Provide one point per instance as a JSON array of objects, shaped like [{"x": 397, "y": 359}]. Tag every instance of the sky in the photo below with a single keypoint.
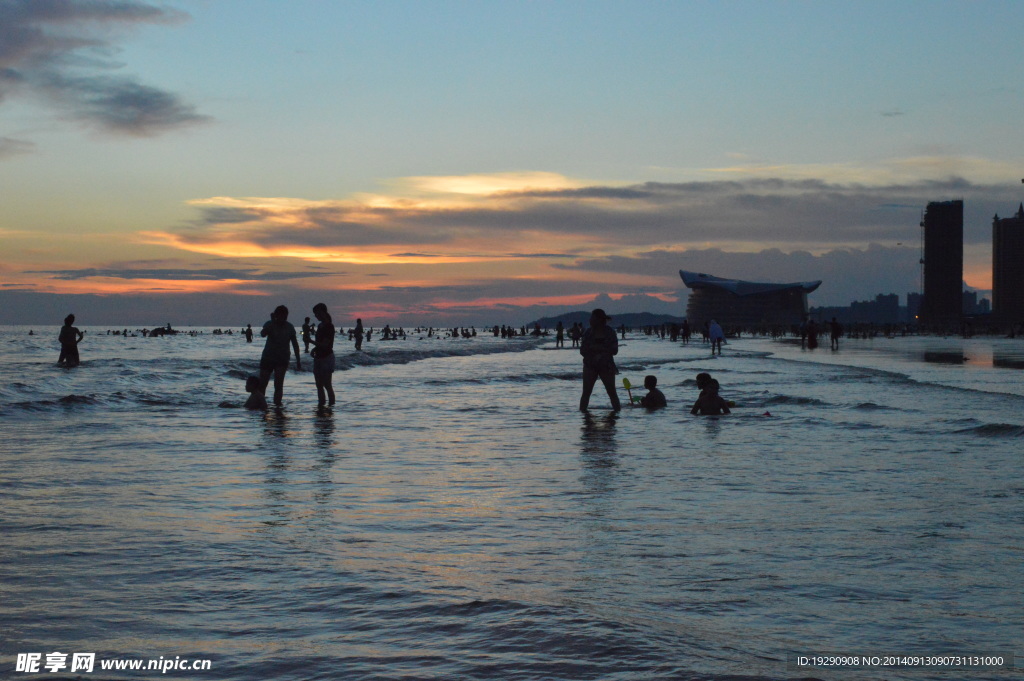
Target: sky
[{"x": 200, "y": 162}]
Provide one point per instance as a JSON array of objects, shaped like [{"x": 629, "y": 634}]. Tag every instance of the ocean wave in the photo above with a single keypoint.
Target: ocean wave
[
  {"x": 507, "y": 378},
  {"x": 793, "y": 399},
  {"x": 871, "y": 406},
  {"x": 402, "y": 353},
  {"x": 53, "y": 404},
  {"x": 78, "y": 399},
  {"x": 352, "y": 360},
  {"x": 994, "y": 430},
  {"x": 152, "y": 400}
]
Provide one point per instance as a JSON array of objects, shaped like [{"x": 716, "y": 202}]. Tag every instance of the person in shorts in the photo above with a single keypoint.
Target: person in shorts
[
  {"x": 323, "y": 355},
  {"x": 599, "y": 346},
  {"x": 274, "y": 361}
]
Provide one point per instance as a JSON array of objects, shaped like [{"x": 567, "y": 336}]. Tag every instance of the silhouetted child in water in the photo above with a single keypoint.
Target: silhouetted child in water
[
  {"x": 709, "y": 403},
  {"x": 257, "y": 400},
  {"x": 654, "y": 399}
]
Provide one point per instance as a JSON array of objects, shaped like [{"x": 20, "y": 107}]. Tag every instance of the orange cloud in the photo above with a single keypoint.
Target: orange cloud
[{"x": 104, "y": 286}]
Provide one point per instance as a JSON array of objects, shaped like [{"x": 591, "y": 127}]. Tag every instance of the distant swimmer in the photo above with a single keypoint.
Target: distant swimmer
[
  {"x": 654, "y": 399},
  {"x": 323, "y": 355},
  {"x": 69, "y": 339},
  {"x": 279, "y": 332},
  {"x": 257, "y": 400},
  {"x": 709, "y": 403},
  {"x": 599, "y": 347}
]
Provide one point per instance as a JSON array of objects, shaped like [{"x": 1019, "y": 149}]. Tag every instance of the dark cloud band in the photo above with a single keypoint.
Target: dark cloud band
[{"x": 50, "y": 48}]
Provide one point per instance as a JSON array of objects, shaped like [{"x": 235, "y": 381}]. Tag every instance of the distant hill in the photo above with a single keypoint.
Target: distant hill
[{"x": 631, "y": 319}]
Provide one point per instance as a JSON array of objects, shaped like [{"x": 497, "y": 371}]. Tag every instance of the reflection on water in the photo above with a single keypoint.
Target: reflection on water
[
  {"x": 597, "y": 438},
  {"x": 976, "y": 356},
  {"x": 275, "y": 423},
  {"x": 323, "y": 427},
  {"x": 712, "y": 427},
  {"x": 599, "y": 454},
  {"x": 495, "y": 532},
  {"x": 944, "y": 357},
  {"x": 1008, "y": 361}
]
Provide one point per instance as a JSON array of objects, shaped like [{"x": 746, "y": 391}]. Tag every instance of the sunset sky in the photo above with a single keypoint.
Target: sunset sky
[{"x": 488, "y": 162}]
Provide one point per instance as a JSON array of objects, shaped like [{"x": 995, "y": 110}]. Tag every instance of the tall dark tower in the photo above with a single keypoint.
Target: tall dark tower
[
  {"x": 943, "y": 225},
  {"x": 1008, "y": 267}
]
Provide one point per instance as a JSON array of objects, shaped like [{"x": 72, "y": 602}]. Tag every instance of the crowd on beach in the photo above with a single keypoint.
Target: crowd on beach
[{"x": 598, "y": 345}]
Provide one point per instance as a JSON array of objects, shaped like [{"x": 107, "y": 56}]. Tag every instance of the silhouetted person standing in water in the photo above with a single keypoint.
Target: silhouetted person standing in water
[
  {"x": 812, "y": 335},
  {"x": 599, "y": 347},
  {"x": 716, "y": 335},
  {"x": 248, "y": 333},
  {"x": 323, "y": 354},
  {"x": 307, "y": 334},
  {"x": 359, "y": 334},
  {"x": 279, "y": 333},
  {"x": 835, "y": 332},
  {"x": 69, "y": 339}
]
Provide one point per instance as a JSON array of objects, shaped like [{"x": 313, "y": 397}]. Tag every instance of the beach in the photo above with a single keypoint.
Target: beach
[{"x": 456, "y": 517}]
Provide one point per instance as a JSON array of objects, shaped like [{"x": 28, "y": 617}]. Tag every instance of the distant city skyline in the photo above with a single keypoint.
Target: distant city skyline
[{"x": 489, "y": 162}]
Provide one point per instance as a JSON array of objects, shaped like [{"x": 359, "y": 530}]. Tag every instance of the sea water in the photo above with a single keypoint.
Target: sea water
[{"x": 456, "y": 517}]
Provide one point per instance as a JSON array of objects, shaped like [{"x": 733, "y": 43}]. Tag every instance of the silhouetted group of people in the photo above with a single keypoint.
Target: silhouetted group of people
[
  {"x": 599, "y": 345},
  {"x": 281, "y": 339}
]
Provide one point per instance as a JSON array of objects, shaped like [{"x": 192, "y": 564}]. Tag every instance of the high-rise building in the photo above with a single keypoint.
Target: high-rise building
[
  {"x": 1008, "y": 267},
  {"x": 913, "y": 305},
  {"x": 970, "y": 305},
  {"x": 943, "y": 225}
]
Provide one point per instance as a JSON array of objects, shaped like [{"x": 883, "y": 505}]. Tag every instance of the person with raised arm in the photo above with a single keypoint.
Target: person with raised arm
[{"x": 69, "y": 339}]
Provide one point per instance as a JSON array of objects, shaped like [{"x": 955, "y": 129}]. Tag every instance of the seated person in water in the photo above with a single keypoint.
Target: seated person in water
[
  {"x": 257, "y": 400},
  {"x": 709, "y": 403},
  {"x": 654, "y": 399}
]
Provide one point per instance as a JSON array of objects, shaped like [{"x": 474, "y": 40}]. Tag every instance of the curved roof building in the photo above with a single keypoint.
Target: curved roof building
[{"x": 733, "y": 302}]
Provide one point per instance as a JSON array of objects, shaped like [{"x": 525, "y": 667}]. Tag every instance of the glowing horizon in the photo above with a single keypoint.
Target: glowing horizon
[{"x": 411, "y": 177}]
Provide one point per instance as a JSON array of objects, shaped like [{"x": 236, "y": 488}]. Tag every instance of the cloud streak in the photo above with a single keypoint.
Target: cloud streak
[
  {"x": 13, "y": 147},
  {"x": 172, "y": 274},
  {"x": 61, "y": 51},
  {"x": 577, "y": 221},
  {"x": 457, "y": 248}
]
